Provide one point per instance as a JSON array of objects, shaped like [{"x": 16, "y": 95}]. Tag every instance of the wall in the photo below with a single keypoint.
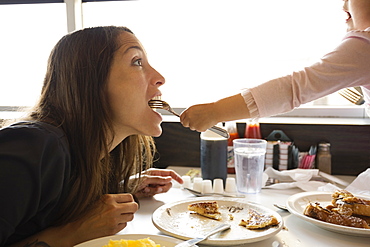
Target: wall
[{"x": 350, "y": 144}]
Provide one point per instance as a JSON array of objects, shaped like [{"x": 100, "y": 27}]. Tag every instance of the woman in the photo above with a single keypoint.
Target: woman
[
  {"x": 66, "y": 171},
  {"x": 346, "y": 66}
]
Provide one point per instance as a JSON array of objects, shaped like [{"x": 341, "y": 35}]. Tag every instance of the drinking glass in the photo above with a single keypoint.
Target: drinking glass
[{"x": 249, "y": 164}]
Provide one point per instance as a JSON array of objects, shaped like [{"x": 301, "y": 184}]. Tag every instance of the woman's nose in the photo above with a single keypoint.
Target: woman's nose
[
  {"x": 161, "y": 82},
  {"x": 159, "y": 79}
]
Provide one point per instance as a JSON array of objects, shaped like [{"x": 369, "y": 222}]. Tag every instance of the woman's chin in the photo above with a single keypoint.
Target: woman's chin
[
  {"x": 154, "y": 131},
  {"x": 157, "y": 133}
]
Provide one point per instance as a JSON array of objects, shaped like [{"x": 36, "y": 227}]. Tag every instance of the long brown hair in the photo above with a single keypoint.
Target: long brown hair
[{"x": 74, "y": 98}]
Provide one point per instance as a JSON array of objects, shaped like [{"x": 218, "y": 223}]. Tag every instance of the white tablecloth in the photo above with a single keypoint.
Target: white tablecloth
[{"x": 297, "y": 232}]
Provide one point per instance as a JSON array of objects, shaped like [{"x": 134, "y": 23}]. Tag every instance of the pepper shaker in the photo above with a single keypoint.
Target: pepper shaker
[{"x": 323, "y": 160}]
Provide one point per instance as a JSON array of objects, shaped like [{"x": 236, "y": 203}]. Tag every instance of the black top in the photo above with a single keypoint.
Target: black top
[{"x": 35, "y": 168}]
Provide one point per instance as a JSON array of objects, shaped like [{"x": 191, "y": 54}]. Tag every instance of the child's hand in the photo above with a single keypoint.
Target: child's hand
[{"x": 199, "y": 117}]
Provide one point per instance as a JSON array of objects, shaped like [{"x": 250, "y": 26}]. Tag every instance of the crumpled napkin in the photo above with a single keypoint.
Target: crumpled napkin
[
  {"x": 301, "y": 178},
  {"x": 361, "y": 184},
  {"x": 358, "y": 186}
]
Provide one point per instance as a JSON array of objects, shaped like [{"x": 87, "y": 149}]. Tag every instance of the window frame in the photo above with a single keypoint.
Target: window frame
[
  {"x": 51, "y": 1},
  {"x": 29, "y": 1}
]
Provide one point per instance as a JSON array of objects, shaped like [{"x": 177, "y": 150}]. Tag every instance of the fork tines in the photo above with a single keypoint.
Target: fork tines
[
  {"x": 352, "y": 96},
  {"x": 156, "y": 103}
]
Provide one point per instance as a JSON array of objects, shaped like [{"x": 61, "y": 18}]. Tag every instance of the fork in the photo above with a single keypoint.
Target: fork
[
  {"x": 160, "y": 104},
  {"x": 192, "y": 242},
  {"x": 353, "y": 95}
]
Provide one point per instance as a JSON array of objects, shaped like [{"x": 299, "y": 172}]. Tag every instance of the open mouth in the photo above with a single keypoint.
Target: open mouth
[
  {"x": 153, "y": 106},
  {"x": 156, "y": 98},
  {"x": 348, "y": 16}
]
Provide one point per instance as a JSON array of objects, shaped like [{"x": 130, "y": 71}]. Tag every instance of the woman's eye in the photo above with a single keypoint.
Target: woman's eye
[{"x": 137, "y": 62}]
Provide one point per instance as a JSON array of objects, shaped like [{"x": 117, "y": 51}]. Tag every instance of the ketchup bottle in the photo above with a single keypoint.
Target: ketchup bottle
[
  {"x": 252, "y": 129},
  {"x": 233, "y": 132}
]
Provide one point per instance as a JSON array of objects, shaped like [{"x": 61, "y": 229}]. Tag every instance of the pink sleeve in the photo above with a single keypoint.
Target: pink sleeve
[
  {"x": 346, "y": 66},
  {"x": 251, "y": 104}
]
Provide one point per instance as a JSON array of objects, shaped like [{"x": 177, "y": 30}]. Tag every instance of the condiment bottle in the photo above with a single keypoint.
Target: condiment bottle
[
  {"x": 233, "y": 132},
  {"x": 323, "y": 159},
  {"x": 252, "y": 129}
]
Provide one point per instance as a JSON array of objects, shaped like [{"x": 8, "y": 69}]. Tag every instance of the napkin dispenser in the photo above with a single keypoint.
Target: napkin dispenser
[{"x": 281, "y": 154}]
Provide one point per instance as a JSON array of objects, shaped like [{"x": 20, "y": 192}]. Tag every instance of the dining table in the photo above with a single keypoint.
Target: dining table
[{"x": 295, "y": 233}]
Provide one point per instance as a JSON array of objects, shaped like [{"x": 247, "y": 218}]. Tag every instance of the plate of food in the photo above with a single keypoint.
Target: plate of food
[
  {"x": 338, "y": 211},
  {"x": 250, "y": 222},
  {"x": 137, "y": 239}
]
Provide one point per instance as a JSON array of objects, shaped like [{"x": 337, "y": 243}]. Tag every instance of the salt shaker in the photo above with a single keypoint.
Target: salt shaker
[{"x": 323, "y": 160}]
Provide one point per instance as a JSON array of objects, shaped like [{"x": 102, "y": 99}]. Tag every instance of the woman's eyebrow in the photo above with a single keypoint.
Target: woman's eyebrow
[{"x": 133, "y": 47}]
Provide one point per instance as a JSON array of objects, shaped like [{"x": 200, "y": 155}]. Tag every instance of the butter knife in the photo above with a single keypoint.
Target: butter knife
[
  {"x": 192, "y": 242},
  {"x": 197, "y": 193}
]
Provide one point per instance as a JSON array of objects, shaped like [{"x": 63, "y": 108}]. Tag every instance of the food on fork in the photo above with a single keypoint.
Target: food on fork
[
  {"x": 345, "y": 210},
  {"x": 206, "y": 209},
  {"x": 145, "y": 242},
  {"x": 327, "y": 215},
  {"x": 347, "y": 204},
  {"x": 256, "y": 220}
]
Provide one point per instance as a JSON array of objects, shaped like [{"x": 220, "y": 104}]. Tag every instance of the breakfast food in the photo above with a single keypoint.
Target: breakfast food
[
  {"x": 206, "y": 209},
  {"x": 256, "y": 220},
  {"x": 324, "y": 214},
  {"x": 253, "y": 219},
  {"x": 345, "y": 210},
  {"x": 347, "y": 204},
  {"x": 145, "y": 242}
]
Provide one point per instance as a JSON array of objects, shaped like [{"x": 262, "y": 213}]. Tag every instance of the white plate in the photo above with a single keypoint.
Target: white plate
[
  {"x": 162, "y": 240},
  {"x": 297, "y": 203},
  {"x": 176, "y": 220}
]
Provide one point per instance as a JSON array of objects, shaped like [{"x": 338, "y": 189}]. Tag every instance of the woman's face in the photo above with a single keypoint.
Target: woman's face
[
  {"x": 358, "y": 14},
  {"x": 132, "y": 82}
]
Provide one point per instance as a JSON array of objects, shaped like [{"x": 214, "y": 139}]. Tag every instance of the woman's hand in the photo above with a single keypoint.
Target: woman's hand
[
  {"x": 107, "y": 216},
  {"x": 156, "y": 181},
  {"x": 110, "y": 214}
]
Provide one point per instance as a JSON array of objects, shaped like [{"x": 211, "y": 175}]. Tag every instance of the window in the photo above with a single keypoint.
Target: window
[
  {"x": 206, "y": 49},
  {"x": 29, "y": 32}
]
